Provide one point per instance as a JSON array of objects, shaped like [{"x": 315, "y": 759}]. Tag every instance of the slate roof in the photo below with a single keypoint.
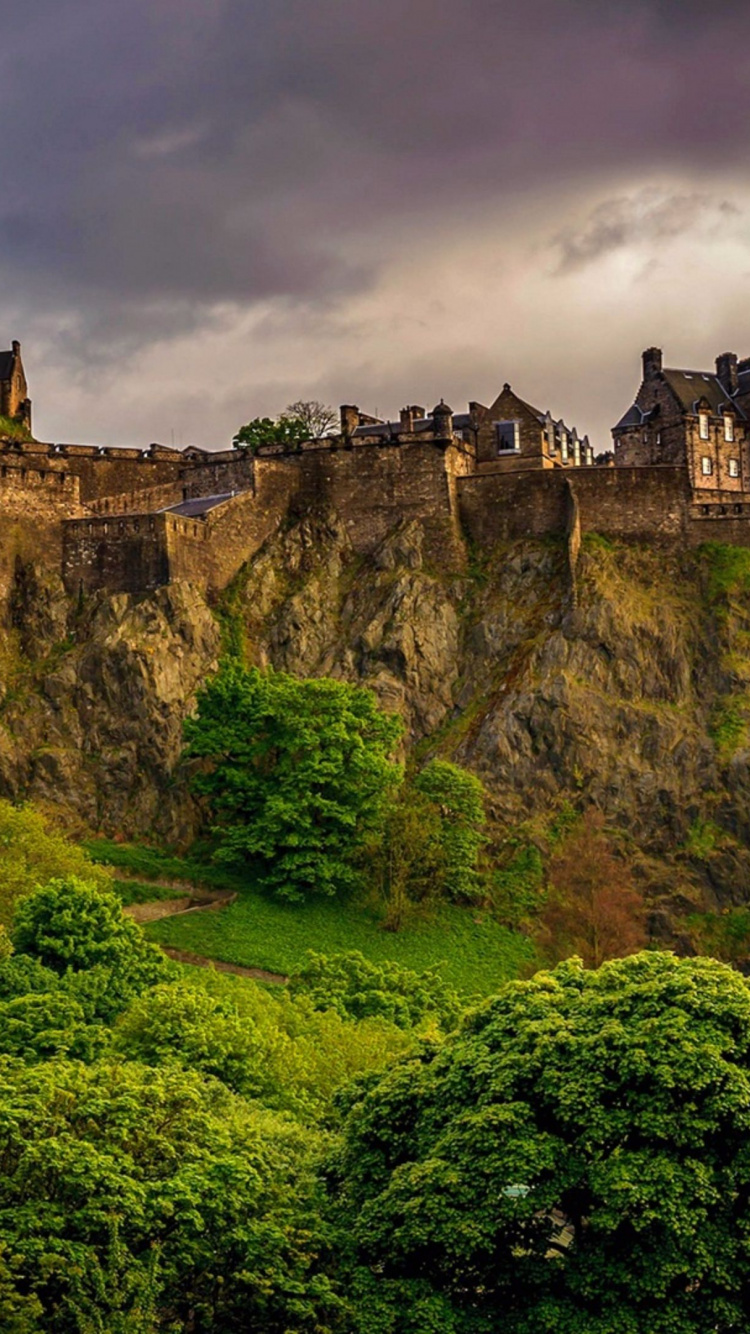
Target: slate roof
[
  {"x": 689, "y": 386},
  {"x": 390, "y": 429},
  {"x": 195, "y": 509},
  {"x": 6, "y": 365}
]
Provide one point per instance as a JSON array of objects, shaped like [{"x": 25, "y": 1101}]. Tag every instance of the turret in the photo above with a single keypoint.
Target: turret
[{"x": 442, "y": 421}]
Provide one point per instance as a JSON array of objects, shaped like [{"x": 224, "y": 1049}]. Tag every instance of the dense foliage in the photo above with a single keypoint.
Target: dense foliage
[
  {"x": 306, "y": 419},
  {"x": 297, "y": 774},
  {"x": 32, "y": 853},
  {"x": 574, "y": 1159},
  {"x": 357, "y": 989}
]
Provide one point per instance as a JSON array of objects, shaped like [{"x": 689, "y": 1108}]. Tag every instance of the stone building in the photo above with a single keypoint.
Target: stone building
[
  {"x": 511, "y": 435},
  {"x": 699, "y": 420},
  {"x": 14, "y": 394}
]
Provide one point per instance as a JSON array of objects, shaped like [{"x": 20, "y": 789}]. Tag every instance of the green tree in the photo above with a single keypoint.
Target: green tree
[
  {"x": 32, "y": 853},
  {"x": 270, "y": 431},
  {"x": 459, "y": 797},
  {"x": 81, "y": 934},
  {"x": 405, "y": 857},
  {"x": 178, "y": 1022},
  {"x": 134, "y": 1198},
  {"x": 307, "y": 419},
  {"x": 573, "y": 1159},
  {"x": 357, "y": 989},
  {"x": 296, "y": 774}
]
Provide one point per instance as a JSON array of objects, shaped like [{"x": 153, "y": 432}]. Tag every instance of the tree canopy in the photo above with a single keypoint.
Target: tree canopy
[
  {"x": 306, "y": 419},
  {"x": 296, "y": 775},
  {"x": 573, "y": 1159}
]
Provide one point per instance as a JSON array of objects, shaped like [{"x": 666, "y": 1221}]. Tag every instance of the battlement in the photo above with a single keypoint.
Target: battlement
[{"x": 129, "y": 520}]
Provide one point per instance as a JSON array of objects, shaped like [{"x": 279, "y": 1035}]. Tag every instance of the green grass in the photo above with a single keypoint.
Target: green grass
[
  {"x": 10, "y": 429},
  {"x": 474, "y": 953},
  {"x": 150, "y": 864},
  {"x": 728, "y": 569},
  {"x": 135, "y": 891}
]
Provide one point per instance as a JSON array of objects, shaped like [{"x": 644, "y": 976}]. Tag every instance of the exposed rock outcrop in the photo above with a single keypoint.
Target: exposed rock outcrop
[{"x": 630, "y": 690}]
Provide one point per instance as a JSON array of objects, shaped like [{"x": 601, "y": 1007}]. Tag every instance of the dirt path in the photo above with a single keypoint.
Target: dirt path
[
  {"x": 200, "y": 961},
  {"x": 194, "y": 900}
]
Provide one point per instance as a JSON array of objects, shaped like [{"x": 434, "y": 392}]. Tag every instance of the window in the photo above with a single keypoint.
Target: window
[
  {"x": 728, "y": 427},
  {"x": 707, "y": 467},
  {"x": 508, "y": 437},
  {"x": 564, "y": 446},
  {"x": 703, "y": 425},
  {"x": 734, "y": 467},
  {"x": 577, "y": 453}
]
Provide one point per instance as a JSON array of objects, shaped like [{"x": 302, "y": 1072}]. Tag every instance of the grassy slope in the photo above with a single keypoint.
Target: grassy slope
[{"x": 474, "y": 953}]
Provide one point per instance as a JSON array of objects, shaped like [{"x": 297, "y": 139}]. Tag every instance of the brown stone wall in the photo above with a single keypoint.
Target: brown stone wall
[
  {"x": 720, "y": 451},
  {"x": 659, "y": 441},
  {"x": 509, "y": 407},
  {"x": 373, "y": 488},
  {"x": 228, "y": 471},
  {"x": 148, "y": 500},
  {"x": 102, "y": 475},
  {"x": 643, "y": 503},
  {"x": 34, "y": 502},
  {"x": 123, "y": 555}
]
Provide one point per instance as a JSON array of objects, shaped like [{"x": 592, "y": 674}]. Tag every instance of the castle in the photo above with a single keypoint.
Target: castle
[{"x": 130, "y": 520}]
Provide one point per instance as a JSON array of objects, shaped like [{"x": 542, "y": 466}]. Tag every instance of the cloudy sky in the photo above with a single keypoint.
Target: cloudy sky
[{"x": 212, "y": 207}]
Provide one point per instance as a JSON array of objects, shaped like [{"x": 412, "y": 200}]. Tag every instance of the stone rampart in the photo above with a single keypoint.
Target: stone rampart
[{"x": 648, "y": 504}]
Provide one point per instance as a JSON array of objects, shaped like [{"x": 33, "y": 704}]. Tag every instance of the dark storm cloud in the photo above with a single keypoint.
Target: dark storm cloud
[{"x": 170, "y": 164}]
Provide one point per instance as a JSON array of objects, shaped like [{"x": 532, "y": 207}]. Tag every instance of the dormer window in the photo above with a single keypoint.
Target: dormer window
[
  {"x": 564, "y": 446},
  {"x": 707, "y": 467},
  {"x": 703, "y": 425},
  {"x": 508, "y": 437},
  {"x": 728, "y": 426}
]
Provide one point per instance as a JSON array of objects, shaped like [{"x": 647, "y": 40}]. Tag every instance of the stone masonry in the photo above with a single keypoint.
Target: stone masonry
[{"x": 130, "y": 520}]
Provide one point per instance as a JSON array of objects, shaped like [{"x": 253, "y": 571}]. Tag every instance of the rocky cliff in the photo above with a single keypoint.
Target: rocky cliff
[{"x": 631, "y": 691}]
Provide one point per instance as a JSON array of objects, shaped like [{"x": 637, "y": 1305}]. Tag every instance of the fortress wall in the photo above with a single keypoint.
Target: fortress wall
[
  {"x": 638, "y": 503},
  {"x": 227, "y": 472},
  {"x": 34, "y": 502},
  {"x": 374, "y": 488},
  {"x": 103, "y": 476},
  {"x": 210, "y": 551},
  {"x": 123, "y": 555},
  {"x": 149, "y": 499}
]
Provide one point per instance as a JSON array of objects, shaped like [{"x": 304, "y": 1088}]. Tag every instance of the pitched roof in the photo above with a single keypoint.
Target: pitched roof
[
  {"x": 195, "y": 509},
  {"x": 6, "y": 365},
  {"x": 689, "y": 386}
]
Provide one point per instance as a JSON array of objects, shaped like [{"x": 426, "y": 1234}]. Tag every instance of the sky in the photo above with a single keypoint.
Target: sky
[{"x": 210, "y": 208}]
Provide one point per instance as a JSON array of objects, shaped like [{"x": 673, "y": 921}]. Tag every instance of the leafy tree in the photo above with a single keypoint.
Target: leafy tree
[
  {"x": 81, "y": 934},
  {"x": 134, "y": 1198},
  {"x": 593, "y": 908},
  {"x": 270, "y": 431},
  {"x": 297, "y": 774},
  {"x": 459, "y": 797},
  {"x": 307, "y": 419},
  {"x": 46, "y": 1024},
  {"x": 178, "y": 1022},
  {"x": 405, "y": 857},
  {"x": 573, "y": 1159},
  {"x": 357, "y": 989},
  {"x": 32, "y": 853}
]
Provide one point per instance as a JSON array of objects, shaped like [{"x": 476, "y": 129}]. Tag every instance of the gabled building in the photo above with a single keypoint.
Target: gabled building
[
  {"x": 696, "y": 419},
  {"x": 511, "y": 435},
  {"x": 516, "y": 436},
  {"x": 14, "y": 394}
]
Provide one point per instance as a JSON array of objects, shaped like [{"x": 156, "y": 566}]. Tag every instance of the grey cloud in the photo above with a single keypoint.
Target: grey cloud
[{"x": 645, "y": 217}]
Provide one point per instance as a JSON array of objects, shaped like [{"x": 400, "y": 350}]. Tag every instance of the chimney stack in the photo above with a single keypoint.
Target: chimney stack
[
  {"x": 407, "y": 420},
  {"x": 349, "y": 419},
  {"x": 726, "y": 372},
  {"x": 652, "y": 360},
  {"x": 16, "y": 347}
]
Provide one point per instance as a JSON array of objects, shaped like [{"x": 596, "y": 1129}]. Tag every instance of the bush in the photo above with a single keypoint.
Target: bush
[
  {"x": 81, "y": 934},
  {"x": 358, "y": 989},
  {"x": 32, "y": 853},
  {"x": 459, "y": 797}
]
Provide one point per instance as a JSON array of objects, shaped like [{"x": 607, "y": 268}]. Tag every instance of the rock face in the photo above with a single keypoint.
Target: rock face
[{"x": 634, "y": 695}]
